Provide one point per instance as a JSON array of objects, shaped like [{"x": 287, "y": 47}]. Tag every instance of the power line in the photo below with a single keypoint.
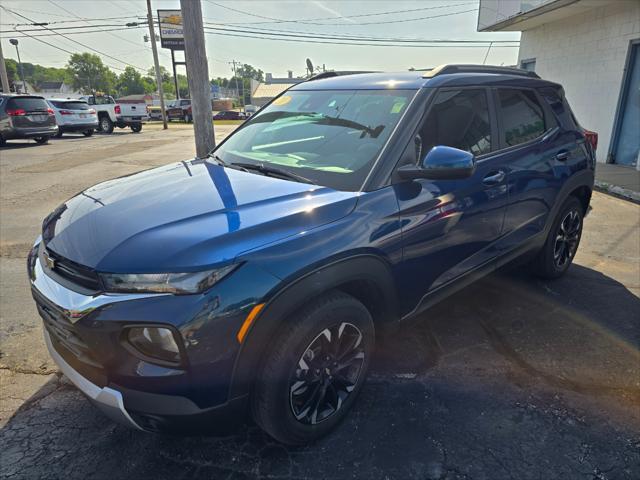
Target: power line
[
  {"x": 310, "y": 21},
  {"x": 337, "y": 36},
  {"x": 351, "y": 43},
  {"x": 351, "y": 38},
  {"x": 285, "y": 33},
  {"x": 75, "y": 41},
  {"x": 110, "y": 34}
]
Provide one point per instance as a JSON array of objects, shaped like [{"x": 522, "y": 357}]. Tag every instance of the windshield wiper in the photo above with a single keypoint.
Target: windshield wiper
[
  {"x": 321, "y": 119},
  {"x": 222, "y": 163},
  {"x": 272, "y": 171}
]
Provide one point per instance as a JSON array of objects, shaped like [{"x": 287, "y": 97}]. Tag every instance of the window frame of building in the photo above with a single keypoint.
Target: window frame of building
[{"x": 549, "y": 119}]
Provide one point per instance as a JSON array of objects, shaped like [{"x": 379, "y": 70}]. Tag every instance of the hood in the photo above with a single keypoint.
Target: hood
[{"x": 186, "y": 217}]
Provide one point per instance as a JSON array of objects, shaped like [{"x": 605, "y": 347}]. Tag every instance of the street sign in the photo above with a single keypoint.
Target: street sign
[{"x": 171, "y": 35}]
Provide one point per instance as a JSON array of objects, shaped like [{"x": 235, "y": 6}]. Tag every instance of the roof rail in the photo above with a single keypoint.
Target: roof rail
[
  {"x": 334, "y": 73},
  {"x": 451, "y": 68}
]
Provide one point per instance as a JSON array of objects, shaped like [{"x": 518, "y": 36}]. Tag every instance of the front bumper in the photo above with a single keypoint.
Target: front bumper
[
  {"x": 128, "y": 390},
  {"x": 108, "y": 400}
]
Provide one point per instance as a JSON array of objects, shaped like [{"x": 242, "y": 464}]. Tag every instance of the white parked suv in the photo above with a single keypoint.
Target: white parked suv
[
  {"x": 121, "y": 115},
  {"x": 73, "y": 116}
]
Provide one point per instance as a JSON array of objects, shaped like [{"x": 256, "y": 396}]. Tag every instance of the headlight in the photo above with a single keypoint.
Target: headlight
[
  {"x": 155, "y": 342},
  {"x": 179, "y": 283}
]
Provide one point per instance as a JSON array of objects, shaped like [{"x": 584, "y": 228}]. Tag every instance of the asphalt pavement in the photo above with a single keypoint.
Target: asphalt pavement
[{"x": 511, "y": 378}]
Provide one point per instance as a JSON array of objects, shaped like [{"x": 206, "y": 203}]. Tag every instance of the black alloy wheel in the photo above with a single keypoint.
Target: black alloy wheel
[
  {"x": 560, "y": 247},
  {"x": 567, "y": 238},
  {"x": 327, "y": 373},
  {"x": 312, "y": 371}
]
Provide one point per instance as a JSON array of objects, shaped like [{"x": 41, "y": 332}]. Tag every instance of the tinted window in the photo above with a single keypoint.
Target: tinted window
[
  {"x": 104, "y": 100},
  {"x": 28, "y": 104},
  {"x": 331, "y": 137},
  {"x": 522, "y": 116},
  {"x": 459, "y": 119},
  {"x": 71, "y": 105}
]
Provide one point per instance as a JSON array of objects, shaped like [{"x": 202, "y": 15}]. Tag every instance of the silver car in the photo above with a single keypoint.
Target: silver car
[{"x": 74, "y": 116}]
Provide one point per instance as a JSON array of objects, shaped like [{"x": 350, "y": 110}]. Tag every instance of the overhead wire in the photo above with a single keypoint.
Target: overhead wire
[
  {"x": 310, "y": 21},
  {"x": 77, "y": 42}
]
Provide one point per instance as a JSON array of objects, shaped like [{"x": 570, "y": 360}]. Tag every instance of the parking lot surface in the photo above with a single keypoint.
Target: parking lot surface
[{"x": 511, "y": 378}]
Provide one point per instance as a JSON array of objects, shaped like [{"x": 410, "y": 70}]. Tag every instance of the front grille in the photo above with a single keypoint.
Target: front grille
[
  {"x": 62, "y": 331},
  {"x": 74, "y": 272}
]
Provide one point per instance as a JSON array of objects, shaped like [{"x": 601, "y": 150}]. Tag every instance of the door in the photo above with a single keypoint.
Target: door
[
  {"x": 626, "y": 145},
  {"x": 539, "y": 155},
  {"x": 450, "y": 227}
]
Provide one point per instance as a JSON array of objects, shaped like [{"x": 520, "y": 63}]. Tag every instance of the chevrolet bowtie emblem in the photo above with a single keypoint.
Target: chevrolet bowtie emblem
[{"x": 51, "y": 262}]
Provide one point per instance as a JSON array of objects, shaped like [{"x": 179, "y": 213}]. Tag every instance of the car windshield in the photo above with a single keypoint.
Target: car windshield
[{"x": 331, "y": 137}]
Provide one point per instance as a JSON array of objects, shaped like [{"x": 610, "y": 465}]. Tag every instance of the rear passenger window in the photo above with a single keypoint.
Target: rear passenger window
[
  {"x": 522, "y": 116},
  {"x": 459, "y": 119}
]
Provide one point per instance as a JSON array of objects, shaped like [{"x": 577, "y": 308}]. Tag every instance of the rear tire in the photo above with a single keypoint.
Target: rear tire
[
  {"x": 557, "y": 254},
  {"x": 59, "y": 133},
  {"x": 88, "y": 133},
  {"x": 3, "y": 142},
  {"x": 136, "y": 128},
  {"x": 314, "y": 370},
  {"x": 187, "y": 118},
  {"x": 106, "y": 125},
  {"x": 41, "y": 140}
]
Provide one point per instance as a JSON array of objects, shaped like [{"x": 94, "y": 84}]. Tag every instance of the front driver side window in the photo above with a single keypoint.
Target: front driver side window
[{"x": 459, "y": 119}]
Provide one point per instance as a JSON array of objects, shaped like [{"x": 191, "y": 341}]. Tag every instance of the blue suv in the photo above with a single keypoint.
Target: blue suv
[{"x": 252, "y": 282}]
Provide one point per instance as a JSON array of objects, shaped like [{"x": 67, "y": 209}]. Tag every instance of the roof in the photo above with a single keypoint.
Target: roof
[
  {"x": 269, "y": 91},
  {"x": 414, "y": 80}
]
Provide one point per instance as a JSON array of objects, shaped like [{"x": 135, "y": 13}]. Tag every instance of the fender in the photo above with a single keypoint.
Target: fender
[
  {"x": 583, "y": 178},
  {"x": 368, "y": 268}
]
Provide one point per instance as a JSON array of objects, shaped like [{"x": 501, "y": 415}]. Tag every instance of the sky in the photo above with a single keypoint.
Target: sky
[{"x": 450, "y": 20}]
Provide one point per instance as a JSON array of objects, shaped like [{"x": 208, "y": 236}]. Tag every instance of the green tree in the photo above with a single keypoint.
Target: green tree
[
  {"x": 89, "y": 74},
  {"x": 131, "y": 82},
  {"x": 247, "y": 71},
  {"x": 164, "y": 73}
]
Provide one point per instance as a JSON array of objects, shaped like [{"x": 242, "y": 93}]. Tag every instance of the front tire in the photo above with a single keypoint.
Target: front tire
[
  {"x": 314, "y": 370},
  {"x": 41, "y": 140},
  {"x": 561, "y": 245},
  {"x": 88, "y": 133},
  {"x": 187, "y": 118},
  {"x": 136, "y": 128}
]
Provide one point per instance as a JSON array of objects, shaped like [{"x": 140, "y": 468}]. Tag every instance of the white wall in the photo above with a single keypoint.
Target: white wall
[{"x": 586, "y": 53}]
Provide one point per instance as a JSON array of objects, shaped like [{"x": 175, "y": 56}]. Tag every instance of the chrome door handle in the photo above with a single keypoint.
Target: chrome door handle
[
  {"x": 562, "y": 155},
  {"x": 494, "y": 178}
]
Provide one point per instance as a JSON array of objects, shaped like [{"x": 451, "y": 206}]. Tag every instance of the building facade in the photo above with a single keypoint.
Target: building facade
[{"x": 591, "y": 47}]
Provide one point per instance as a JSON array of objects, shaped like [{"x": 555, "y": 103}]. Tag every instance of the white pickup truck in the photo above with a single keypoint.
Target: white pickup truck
[{"x": 121, "y": 115}]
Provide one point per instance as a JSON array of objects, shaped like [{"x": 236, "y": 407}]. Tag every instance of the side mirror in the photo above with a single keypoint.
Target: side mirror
[{"x": 441, "y": 163}]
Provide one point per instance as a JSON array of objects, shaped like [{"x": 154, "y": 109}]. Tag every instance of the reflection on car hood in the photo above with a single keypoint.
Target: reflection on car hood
[{"x": 185, "y": 217}]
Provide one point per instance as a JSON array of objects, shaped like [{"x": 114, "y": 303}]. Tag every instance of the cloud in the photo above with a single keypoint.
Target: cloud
[{"x": 332, "y": 11}]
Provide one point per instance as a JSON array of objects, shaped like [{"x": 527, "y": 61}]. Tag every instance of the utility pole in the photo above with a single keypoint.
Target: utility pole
[
  {"x": 3, "y": 73},
  {"x": 240, "y": 92},
  {"x": 154, "y": 48},
  {"x": 198, "y": 76}
]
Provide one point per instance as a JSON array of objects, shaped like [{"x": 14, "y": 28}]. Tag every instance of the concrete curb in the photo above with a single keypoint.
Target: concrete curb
[{"x": 616, "y": 191}]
